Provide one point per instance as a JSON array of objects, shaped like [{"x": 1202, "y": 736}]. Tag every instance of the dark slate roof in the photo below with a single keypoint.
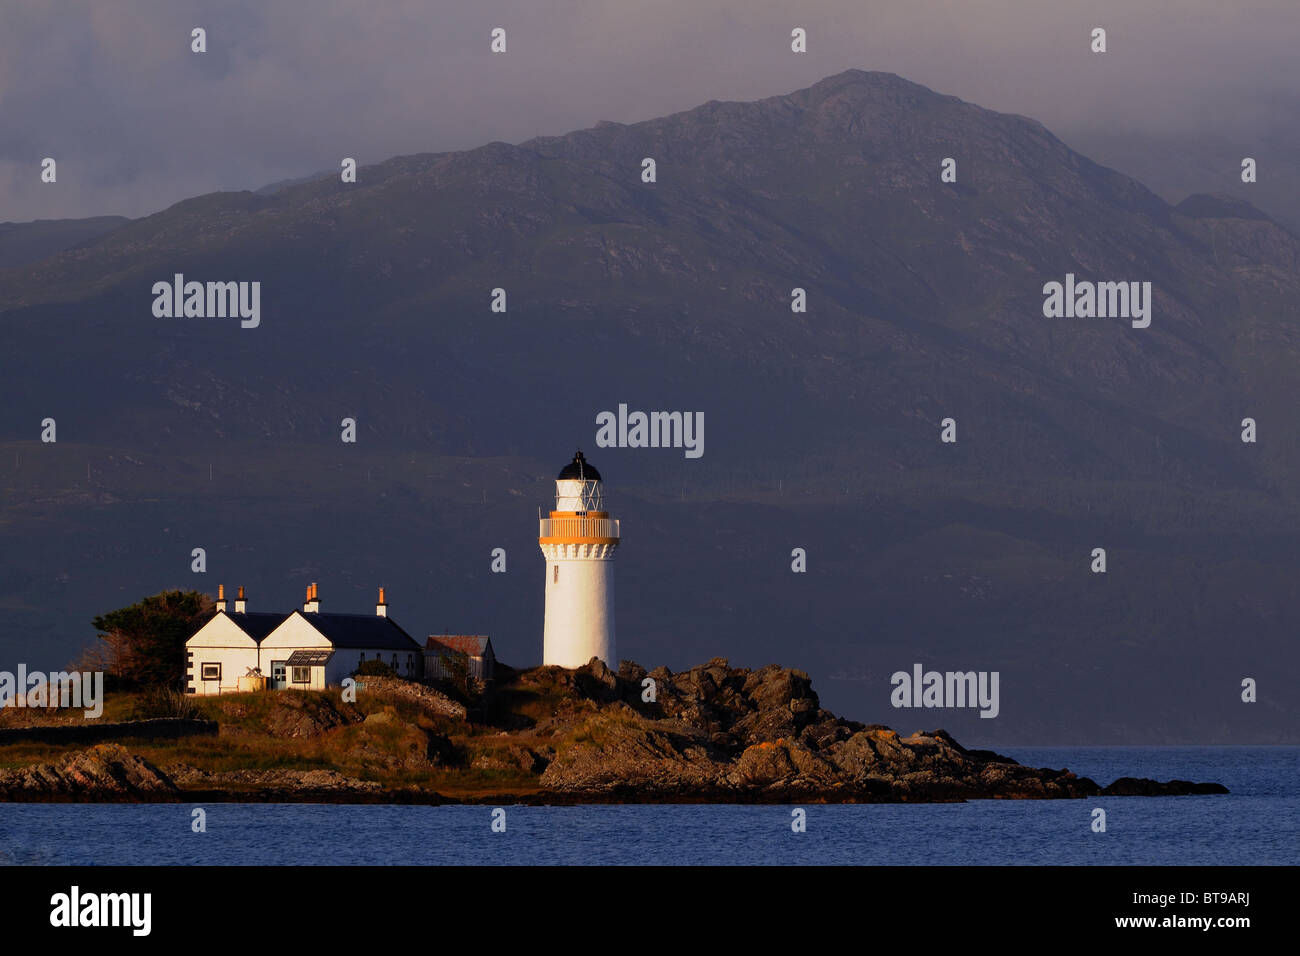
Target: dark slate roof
[
  {"x": 578, "y": 470},
  {"x": 474, "y": 645},
  {"x": 257, "y": 625},
  {"x": 307, "y": 658},
  {"x": 362, "y": 631}
]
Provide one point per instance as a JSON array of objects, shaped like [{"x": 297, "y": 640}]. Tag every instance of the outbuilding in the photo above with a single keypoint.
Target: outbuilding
[{"x": 474, "y": 649}]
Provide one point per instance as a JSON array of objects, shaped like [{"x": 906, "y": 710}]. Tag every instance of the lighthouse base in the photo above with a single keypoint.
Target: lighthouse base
[{"x": 579, "y": 612}]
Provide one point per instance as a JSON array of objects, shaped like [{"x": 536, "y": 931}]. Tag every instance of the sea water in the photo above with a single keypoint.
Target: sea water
[{"x": 1257, "y": 823}]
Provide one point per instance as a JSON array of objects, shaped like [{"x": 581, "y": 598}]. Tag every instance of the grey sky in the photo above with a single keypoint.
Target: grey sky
[{"x": 137, "y": 121}]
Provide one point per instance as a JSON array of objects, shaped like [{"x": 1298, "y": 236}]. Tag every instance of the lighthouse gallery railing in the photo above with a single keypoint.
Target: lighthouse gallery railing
[{"x": 579, "y": 527}]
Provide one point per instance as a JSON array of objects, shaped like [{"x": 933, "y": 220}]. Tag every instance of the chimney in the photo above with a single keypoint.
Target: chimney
[
  {"x": 221, "y": 597},
  {"x": 240, "y": 606},
  {"x": 381, "y": 608},
  {"x": 312, "y": 605}
]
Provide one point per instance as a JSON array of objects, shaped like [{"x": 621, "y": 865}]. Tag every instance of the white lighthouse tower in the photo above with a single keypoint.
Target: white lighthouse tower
[{"x": 579, "y": 540}]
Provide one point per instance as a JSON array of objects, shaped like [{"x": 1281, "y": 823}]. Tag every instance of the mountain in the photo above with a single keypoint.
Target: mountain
[
  {"x": 272, "y": 188},
  {"x": 925, "y": 301},
  {"x": 24, "y": 242},
  {"x": 1175, "y": 164},
  {"x": 1218, "y": 206}
]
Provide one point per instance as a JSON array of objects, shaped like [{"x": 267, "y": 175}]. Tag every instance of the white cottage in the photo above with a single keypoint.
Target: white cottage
[
  {"x": 304, "y": 650},
  {"x": 226, "y": 648},
  {"x": 310, "y": 650}
]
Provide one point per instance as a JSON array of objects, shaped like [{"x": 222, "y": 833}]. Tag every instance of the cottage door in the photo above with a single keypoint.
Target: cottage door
[{"x": 278, "y": 681}]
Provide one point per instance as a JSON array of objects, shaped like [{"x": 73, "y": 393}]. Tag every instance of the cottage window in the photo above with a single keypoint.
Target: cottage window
[
  {"x": 212, "y": 672},
  {"x": 555, "y": 574},
  {"x": 301, "y": 675}
]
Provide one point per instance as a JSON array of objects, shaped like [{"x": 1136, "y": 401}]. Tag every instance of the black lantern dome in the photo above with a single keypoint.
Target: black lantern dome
[{"x": 578, "y": 470}]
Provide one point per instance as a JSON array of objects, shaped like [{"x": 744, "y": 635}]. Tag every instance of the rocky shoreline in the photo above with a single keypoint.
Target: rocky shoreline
[
  {"x": 723, "y": 734},
  {"x": 711, "y": 734}
]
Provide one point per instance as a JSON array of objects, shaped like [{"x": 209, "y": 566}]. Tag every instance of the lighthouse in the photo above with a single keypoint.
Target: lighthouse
[{"x": 578, "y": 541}]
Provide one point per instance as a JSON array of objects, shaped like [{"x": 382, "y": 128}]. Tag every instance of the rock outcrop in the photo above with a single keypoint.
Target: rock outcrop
[
  {"x": 288, "y": 782},
  {"x": 103, "y": 773},
  {"x": 717, "y": 732},
  {"x": 429, "y": 699}
]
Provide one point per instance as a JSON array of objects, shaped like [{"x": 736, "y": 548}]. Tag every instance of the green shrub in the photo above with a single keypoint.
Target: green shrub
[{"x": 375, "y": 668}]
